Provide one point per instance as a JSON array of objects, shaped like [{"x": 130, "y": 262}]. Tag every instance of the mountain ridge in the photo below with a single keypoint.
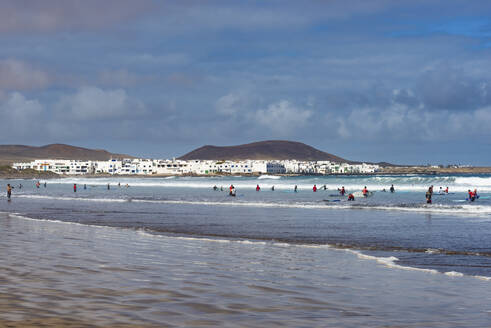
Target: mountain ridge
[
  {"x": 22, "y": 153},
  {"x": 262, "y": 150}
]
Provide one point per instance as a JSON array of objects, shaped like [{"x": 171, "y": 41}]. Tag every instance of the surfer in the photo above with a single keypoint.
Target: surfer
[
  {"x": 119, "y": 184},
  {"x": 108, "y": 186},
  {"x": 392, "y": 189},
  {"x": 314, "y": 189},
  {"x": 215, "y": 188},
  {"x": 351, "y": 197},
  {"x": 365, "y": 192},
  {"x": 38, "y": 184},
  {"x": 342, "y": 191},
  {"x": 9, "y": 191},
  {"x": 441, "y": 192},
  {"x": 44, "y": 184},
  {"x": 20, "y": 185},
  {"x": 258, "y": 188},
  {"x": 232, "y": 191},
  {"x": 74, "y": 187},
  {"x": 472, "y": 196},
  {"x": 324, "y": 187},
  {"x": 295, "y": 189},
  {"x": 85, "y": 186},
  {"x": 428, "y": 195},
  {"x": 272, "y": 188},
  {"x": 446, "y": 190}
]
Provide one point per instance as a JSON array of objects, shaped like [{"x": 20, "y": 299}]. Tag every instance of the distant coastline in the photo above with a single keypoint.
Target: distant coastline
[{"x": 9, "y": 173}]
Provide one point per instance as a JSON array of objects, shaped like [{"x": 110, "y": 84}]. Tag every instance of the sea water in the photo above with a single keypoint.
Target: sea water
[{"x": 174, "y": 251}]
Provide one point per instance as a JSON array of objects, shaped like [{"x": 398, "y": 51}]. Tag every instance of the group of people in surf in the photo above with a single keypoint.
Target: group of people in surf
[
  {"x": 472, "y": 195},
  {"x": 429, "y": 193}
]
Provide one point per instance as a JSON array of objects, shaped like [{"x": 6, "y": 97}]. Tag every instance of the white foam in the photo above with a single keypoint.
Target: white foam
[
  {"x": 265, "y": 176},
  {"x": 110, "y": 200},
  {"x": 405, "y": 183},
  {"x": 389, "y": 262},
  {"x": 18, "y": 216}
]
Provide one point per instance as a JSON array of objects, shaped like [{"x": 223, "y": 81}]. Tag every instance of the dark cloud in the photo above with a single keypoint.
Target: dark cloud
[
  {"x": 453, "y": 89},
  {"x": 163, "y": 76},
  {"x": 31, "y": 16}
]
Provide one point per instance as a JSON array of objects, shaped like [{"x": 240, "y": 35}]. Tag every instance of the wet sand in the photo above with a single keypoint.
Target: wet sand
[{"x": 56, "y": 274}]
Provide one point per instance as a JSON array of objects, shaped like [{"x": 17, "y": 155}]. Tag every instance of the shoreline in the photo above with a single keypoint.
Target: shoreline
[{"x": 23, "y": 175}]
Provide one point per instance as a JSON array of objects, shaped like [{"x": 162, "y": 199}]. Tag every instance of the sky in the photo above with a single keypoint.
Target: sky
[{"x": 406, "y": 82}]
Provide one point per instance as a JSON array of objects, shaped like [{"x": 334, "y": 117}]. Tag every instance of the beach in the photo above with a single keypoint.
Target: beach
[{"x": 173, "y": 252}]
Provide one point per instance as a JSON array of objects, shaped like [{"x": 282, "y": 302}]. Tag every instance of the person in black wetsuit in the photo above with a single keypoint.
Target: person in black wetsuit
[
  {"x": 9, "y": 191},
  {"x": 429, "y": 193}
]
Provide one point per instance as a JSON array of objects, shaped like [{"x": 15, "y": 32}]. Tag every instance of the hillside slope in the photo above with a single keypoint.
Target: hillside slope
[
  {"x": 263, "y": 150},
  {"x": 13, "y": 153}
]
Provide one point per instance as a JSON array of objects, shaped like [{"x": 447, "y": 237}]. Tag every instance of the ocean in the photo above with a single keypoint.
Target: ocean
[{"x": 174, "y": 252}]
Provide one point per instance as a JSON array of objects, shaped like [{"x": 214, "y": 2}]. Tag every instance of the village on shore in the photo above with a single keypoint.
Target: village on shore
[{"x": 149, "y": 167}]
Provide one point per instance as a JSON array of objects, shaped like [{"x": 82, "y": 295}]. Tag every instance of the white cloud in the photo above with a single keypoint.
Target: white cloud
[
  {"x": 230, "y": 105},
  {"x": 282, "y": 117},
  {"x": 20, "y": 116},
  {"x": 403, "y": 123},
  {"x": 91, "y": 103},
  {"x": 17, "y": 75}
]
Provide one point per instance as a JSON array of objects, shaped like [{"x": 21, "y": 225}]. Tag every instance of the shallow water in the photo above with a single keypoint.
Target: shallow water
[
  {"x": 110, "y": 276},
  {"x": 174, "y": 251}
]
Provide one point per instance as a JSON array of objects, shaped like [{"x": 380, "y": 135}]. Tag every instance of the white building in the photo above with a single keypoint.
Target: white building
[{"x": 180, "y": 167}]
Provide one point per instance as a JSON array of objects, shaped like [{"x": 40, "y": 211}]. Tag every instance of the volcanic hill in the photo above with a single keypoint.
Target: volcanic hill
[
  {"x": 263, "y": 150},
  {"x": 21, "y": 153}
]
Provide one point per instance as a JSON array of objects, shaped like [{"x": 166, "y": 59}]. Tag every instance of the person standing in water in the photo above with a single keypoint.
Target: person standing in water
[
  {"x": 365, "y": 191},
  {"x": 108, "y": 186},
  {"x": 342, "y": 191},
  {"x": 258, "y": 188},
  {"x": 295, "y": 189},
  {"x": 314, "y": 189},
  {"x": 9, "y": 191},
  {"x": 74, "y": 187},
  {"x": 44, "y": 184},
  {"x": 471, "y": 195},
  {"x": 429, "y": 193},
  {"x": 272, "y": 188},
  {"x": 85, "y": 186},
  {"x": 392, "y": 189},
  {"x": 38, "y": 184}
]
